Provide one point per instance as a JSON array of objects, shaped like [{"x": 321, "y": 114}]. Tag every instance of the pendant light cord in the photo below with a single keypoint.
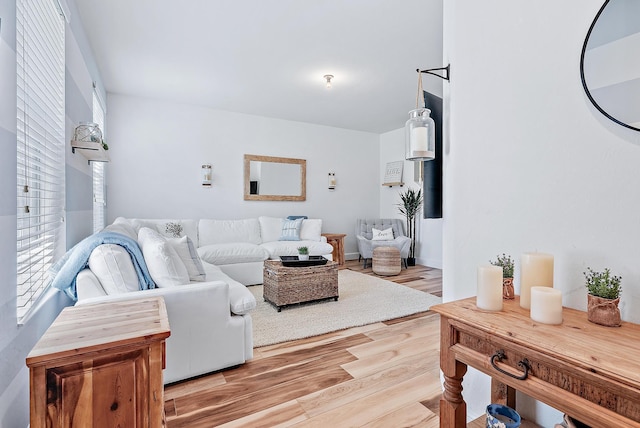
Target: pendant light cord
[{"x": 420, "y": 91}]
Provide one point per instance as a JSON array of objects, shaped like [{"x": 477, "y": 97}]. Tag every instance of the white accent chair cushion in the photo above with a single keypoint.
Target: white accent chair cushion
[
  {"x": 164, "y": 264},
  {"x": 113, "y": 267},
  {"x": 381, "y": 235}
]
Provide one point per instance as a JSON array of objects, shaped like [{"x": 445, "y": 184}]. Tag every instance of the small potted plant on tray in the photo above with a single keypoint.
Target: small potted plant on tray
[
  {"x": 506, "y": 262},
  {"x": 603, "y": 298},
  {"x": 303, "y": 253}
]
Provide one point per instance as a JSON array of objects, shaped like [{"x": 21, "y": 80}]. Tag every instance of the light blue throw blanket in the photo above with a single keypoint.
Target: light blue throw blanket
[{"x": 63, "y": 273}]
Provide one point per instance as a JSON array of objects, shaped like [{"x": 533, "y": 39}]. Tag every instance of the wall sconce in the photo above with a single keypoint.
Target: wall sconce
[
  {"x": 420, "y": 128},
  {"x": 206, "y": 175},
  {"x": 332, "y": 181}
]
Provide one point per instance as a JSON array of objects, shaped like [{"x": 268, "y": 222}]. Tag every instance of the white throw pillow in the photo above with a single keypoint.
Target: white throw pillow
[
  {"x": 113, "y": 267},
  {"x": 189, "y": 256},
  {"x": 270, "y": 228},
  {"x": 311, "y": 229},
  {"x": 382, "y": 235},
  {"x": 164, "y": 264}
]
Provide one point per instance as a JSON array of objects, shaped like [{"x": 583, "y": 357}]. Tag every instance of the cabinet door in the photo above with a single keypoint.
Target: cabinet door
[{"x": 109, "y": 391}]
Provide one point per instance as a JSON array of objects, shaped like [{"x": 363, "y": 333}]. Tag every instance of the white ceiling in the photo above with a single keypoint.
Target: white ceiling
[{"x": 267, "y": 57}]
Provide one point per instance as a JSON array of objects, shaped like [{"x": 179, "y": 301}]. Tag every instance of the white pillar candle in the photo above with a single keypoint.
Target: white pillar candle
[
  {"x": 536, "y": 270},
  {"x": 489, "y": 288},
  {"x": 546, "y": 305}
]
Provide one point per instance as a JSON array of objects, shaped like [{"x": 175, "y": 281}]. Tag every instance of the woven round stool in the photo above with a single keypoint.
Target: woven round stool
[{"x": 386, "y": 261}]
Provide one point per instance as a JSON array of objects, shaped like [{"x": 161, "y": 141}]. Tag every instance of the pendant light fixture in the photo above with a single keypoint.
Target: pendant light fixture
[{"x": 420, "y": 130}]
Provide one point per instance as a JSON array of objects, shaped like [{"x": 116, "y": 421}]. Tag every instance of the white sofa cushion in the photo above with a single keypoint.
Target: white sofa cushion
[
  {"x": 288, "y": 248},
  {"x": 239, "y": 252},
  {"x": 228, "y": 231},
  {"x": 270, "y": 228},
  {"x": 311, "y": 230},
  {"x": 240, "y": 299},
  {"x": 189, "y": 227},
  {"x": 189, "y": 256},
  {"x": 164, "y": 264},
  {"x": 113, "y": 267},
  {"x": 123, "y": 228}
]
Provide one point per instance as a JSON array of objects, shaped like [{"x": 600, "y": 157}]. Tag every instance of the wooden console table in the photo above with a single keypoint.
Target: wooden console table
[
  {"x": 590, "y": 372},
  {"x": 336, "y": 240},
  {"x": 101, "y": 365}
]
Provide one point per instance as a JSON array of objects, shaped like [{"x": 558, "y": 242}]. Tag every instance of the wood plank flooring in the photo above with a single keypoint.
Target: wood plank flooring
[{"x": 380, "y": 375}]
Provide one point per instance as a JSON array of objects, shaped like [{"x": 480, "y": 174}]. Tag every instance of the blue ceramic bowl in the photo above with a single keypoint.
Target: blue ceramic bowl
[{"x": 499, "y": 416}]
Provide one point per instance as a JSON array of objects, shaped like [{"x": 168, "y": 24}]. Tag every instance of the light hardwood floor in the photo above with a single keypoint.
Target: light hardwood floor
[{"x": 381, "y": 375}]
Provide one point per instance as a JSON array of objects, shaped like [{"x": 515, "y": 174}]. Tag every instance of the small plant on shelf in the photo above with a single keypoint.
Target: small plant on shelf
[
  {"x": 506, "y": 263},
  {"x": 603, "y": 298},
  {"x": 603, "y": 284}
]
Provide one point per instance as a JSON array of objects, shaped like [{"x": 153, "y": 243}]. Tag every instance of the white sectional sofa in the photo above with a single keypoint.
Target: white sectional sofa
[{"x": 207, "y": 301}]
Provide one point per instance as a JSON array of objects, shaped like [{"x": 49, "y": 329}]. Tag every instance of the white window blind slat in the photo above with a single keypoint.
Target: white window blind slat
[
  {"x": 40, "y": 150},
  {"x": 99, "y": 177}
]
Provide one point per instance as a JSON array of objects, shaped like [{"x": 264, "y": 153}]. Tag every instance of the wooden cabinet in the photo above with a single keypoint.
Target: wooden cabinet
[
  {"x": 588, "y": 371},
  {"x": 100, "y": 365},
  {"x": 337, "y": 242}
]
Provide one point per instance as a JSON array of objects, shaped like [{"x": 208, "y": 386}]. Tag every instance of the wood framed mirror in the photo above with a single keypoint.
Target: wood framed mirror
[{"x": 268, "y": 178}]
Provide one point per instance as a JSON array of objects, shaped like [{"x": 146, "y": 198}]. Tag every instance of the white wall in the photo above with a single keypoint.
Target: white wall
[
  {"x": 157, "y": 149},
  {"x": 530, "y": 164},
  {"x": 429, "y": 236},
  {"x": 16, "y": 341}
]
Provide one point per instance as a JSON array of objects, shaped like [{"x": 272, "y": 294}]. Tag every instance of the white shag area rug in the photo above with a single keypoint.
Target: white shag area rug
[{"x": 363, "y": 299}]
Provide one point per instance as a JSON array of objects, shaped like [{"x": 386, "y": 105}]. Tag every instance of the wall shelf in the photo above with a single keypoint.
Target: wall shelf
[
  {"x": 90, "y": 150},
  {"x": 393, "y": 184}
]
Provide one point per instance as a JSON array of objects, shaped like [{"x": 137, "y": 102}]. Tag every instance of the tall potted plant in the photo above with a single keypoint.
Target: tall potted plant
[{"x": 409, "y": 207}]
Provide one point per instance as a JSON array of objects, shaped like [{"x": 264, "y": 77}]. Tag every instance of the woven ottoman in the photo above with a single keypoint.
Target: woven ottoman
[
  {"x": 386, "y": 261},
  {"x": 283, "y": 285}
]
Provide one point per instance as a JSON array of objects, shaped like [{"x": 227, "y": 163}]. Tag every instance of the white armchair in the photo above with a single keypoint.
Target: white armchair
[{"x": 366, "y": 245}]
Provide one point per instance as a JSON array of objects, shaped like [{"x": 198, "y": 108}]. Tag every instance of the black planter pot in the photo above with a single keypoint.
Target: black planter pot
[{"x": 411, "y": 261}]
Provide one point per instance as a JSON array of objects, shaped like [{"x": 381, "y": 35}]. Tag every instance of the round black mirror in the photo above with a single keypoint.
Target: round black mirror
[{"x": 610, "y": 62}]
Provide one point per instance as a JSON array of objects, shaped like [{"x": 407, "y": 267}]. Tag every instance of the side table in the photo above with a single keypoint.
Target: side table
[
  {"x": 101, "y": 365},
  {"x": 336, "y": 240}
]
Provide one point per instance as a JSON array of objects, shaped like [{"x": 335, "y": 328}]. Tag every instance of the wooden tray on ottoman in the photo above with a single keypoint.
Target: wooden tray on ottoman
[{"x": 284, "y": 286}]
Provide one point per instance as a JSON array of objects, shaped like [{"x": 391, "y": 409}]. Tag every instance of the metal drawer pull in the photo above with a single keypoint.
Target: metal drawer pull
[{"x": 523, "y": 364}]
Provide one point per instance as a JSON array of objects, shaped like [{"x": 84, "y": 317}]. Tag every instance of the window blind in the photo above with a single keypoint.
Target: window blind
[
  {"x": 99, "y": 178},
  {"x": 40, "y": 139}
]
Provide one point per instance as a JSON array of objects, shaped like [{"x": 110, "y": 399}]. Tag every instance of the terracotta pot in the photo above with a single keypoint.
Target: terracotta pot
[
  {"x": 603, "y": 311},
  {"x": 507, "y": 289}
]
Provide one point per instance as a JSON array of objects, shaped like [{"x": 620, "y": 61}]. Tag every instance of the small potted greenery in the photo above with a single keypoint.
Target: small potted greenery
[
  {"x": 603, "y": 298},
  {"x": 410, "y": 206},
  {"x": 506, "y": 263},
  {"x": 303, "y": 253}
]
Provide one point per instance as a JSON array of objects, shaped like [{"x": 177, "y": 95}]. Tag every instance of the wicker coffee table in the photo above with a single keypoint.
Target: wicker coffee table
[{"x": 289, "y": 285}]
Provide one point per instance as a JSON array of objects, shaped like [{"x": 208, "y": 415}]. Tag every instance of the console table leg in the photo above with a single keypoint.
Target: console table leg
[
  {"x": 502, "y": 394},
  {"x": 453, "y": 409}
]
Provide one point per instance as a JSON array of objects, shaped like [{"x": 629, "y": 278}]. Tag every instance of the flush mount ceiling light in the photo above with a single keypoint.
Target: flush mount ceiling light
[{"x": 328, "y": 78}]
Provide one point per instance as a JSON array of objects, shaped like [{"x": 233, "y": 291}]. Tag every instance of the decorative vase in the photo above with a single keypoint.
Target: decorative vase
[
  {"x": 501, "y": 416},
  {"x": 303, "y": 256},
  {"x": 603, "y": 311},
  {"x": 507, "y": 289}
]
